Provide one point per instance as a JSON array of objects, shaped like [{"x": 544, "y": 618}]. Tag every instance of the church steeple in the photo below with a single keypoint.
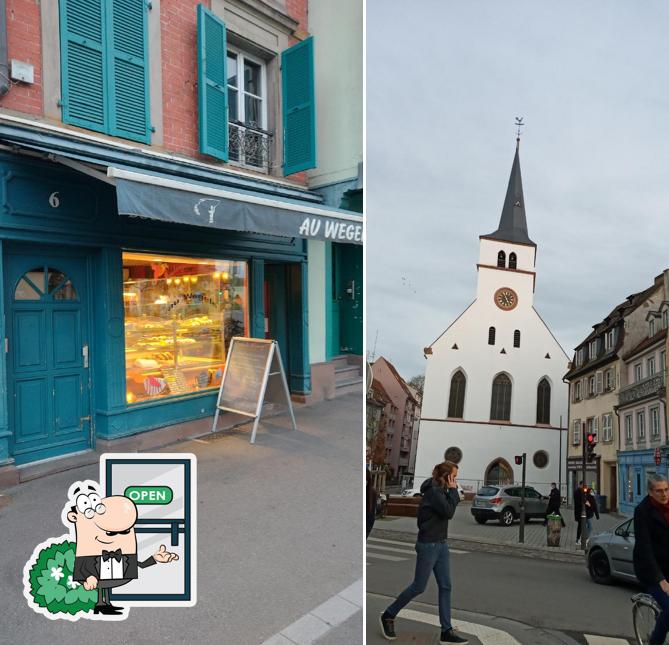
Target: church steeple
[{"x": 512, "y": 224}]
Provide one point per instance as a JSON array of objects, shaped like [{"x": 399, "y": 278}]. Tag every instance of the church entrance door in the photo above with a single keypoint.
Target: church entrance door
[{"x": 499, "y": 473}]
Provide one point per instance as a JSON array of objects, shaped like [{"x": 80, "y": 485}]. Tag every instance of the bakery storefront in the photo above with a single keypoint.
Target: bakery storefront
[{"x": 125, "y": 274}]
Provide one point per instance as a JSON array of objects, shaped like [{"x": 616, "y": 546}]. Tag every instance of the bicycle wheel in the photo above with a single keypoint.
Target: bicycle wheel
[{"x": 645, "y": 616}]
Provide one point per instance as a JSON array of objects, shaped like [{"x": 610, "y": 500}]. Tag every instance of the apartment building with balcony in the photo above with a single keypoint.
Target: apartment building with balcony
[
  {"x": 155, "y": 203},
  {"x": 594, "y": 379},
  {"x": 643, "y": 442},
  {"x": 399, "y": 432}
]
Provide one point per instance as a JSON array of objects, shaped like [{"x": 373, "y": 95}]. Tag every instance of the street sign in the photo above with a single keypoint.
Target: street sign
[
  {"x": 253, "y": 372},
  {"x": 658, "y": 457}
]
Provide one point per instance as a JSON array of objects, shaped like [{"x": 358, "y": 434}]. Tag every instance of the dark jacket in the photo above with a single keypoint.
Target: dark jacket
[
  {"x": 436, "y": 508},
  {"x": 553, "y": 501},
  {"x": 578, "y": 503},
  {"x": 591, "y": 507},
  {"x": 651, "y": 544},
  {"x": 89, "y": 565}
]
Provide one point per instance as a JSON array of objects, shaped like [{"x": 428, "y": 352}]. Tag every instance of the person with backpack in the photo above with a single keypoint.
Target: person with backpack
[{"x": 440, "y": 499}]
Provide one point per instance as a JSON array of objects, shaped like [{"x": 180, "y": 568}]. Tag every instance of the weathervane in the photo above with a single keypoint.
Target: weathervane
[{"x": 519, "y": 123}]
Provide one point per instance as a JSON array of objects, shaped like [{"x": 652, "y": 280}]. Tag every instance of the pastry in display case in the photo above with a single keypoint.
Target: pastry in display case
[{"x": 178, "y": 325}]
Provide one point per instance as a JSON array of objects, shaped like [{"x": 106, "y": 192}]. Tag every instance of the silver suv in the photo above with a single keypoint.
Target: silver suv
[{"x": 502, "y": 503}]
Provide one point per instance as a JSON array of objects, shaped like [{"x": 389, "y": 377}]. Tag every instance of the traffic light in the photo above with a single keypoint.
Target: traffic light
[
  {"x": 590, "y": 447},
  {"x": 519, "y": 460}
]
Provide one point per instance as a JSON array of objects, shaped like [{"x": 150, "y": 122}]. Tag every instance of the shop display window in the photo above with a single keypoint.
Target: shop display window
[{"x": 180, "y": 315}]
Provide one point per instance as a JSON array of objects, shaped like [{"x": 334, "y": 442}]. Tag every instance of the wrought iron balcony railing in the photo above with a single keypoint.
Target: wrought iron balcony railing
[
  {"x": 250, "y": 146},
  {"x": 649, "y": 387}
]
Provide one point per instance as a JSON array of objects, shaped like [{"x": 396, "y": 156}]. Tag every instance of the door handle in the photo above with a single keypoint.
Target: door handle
[
  {"x": 82, "y": 419},
  {"x": 84, "y": 353}
]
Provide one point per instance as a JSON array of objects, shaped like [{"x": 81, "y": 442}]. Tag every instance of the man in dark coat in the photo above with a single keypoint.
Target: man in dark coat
[
  {"x": 553, "y": 504},
  {"x": 651, "y": 549},
  {"x": 591, "y": 510}
]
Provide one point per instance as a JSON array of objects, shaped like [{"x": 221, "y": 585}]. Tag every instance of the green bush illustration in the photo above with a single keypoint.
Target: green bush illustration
[{"x": 51, "y": 583}]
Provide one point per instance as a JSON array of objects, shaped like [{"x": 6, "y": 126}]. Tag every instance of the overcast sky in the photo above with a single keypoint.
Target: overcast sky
[{"x": 445, "y": 80}]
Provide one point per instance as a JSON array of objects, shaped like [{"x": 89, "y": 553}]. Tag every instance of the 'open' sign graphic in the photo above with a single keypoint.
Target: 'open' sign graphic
[{"x": 149, "y": 494}]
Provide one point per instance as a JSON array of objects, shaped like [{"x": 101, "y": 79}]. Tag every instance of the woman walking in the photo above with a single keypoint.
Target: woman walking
[{"x": 440, "y": 499}]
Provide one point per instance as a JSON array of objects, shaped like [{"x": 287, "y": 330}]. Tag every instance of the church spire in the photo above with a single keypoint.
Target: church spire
[{"x": 512, "y": 224}]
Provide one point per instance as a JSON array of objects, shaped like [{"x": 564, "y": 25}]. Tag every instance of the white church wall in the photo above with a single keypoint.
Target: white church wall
[
  {"x": 481, "y": 444},
  {"x": 490, "y": 249},
  {"x": 489, "y": 280},
  {"x": 525, "y": 365}
]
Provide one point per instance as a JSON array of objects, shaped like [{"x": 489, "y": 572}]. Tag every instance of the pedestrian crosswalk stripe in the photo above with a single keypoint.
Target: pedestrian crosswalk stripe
[
  {"x": 379, "y": 556},
  {"x": 604, "y": 640},
  {"x": 487, "y": 635},
  {"x": 406, "y": 544},
  {"x": 389, "y": 548}
]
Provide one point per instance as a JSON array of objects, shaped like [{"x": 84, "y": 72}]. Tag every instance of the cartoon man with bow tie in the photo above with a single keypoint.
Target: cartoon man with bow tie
[{"x": 106, "y": 544}]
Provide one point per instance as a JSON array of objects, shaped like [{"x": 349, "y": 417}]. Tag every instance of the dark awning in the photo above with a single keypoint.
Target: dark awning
[{"x": 170, "y": 200}]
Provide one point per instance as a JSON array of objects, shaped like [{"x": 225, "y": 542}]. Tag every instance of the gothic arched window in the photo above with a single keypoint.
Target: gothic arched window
[
  {"x": 501, "y": 259},
  {"x": 516, "y": 338},
  {"x": 544, "y": 401},
  {"x": 456, "y": 398},
  {"x": 500, "y": 404},
  {"x": 512, "y": 261},
  {"x": 491, "y": 336}
]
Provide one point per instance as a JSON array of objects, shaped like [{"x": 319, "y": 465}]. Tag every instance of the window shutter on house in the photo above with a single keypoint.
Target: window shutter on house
[
  {"x": 128, "y": 70},
  {"x": 83, "y": 71},
  {"x": 299, "y": 107},
  {"x": 599, "y": 387},
  {"x": 212, "y": 84}
]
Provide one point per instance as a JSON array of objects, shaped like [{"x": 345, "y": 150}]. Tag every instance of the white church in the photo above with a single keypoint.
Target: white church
[{"x": 493, "y": 381}]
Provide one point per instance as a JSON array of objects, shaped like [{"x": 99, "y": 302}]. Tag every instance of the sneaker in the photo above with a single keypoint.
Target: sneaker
[
  {"x": 449, "y": 636},
  {"x": 388, "y": 627}
]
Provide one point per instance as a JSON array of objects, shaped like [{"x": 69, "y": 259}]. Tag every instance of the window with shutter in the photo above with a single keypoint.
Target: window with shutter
[
  {"x": 104, "y": 66},
  {"x": 600, "y": 381},
  {"x": 299, "y": 107},
  {"x": 501, "y": 260},
  {"x": 491, "y": 336},
  {"x": 516, "y": 338},
  {"x": 512, "y": 261},
  {"x": 212, "y": 84}
]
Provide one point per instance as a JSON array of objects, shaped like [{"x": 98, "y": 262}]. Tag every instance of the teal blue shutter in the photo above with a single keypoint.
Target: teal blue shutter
[
  {"x": 83, "y": 72},
  {"x": 128, "y": 96},
  {"x": 212, "y": 84},
  {"x": 299, "y": 107}
]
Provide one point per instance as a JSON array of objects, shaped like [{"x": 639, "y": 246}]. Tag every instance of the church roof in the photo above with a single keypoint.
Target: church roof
[{"x": 513, "y": 224}]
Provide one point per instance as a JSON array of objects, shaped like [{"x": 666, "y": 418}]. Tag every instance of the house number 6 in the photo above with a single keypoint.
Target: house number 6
[{"x": 54, "y": 200}]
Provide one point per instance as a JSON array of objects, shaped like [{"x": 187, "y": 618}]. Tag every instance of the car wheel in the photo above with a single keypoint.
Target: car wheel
[
  {"x": 599, "y": 567},
  {"x": 480, "y": 520},
  {"x": 507, "y": 517}
]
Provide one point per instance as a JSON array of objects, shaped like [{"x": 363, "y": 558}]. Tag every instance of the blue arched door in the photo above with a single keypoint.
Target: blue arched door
[{"x": 48, "y": 374}]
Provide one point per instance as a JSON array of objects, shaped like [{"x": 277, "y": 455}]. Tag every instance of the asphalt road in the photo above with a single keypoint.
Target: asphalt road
[{"x": 542, "y": 593}]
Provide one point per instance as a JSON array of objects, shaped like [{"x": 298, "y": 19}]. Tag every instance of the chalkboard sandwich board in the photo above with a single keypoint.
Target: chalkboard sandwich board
[{"x": 250, "y": 365}]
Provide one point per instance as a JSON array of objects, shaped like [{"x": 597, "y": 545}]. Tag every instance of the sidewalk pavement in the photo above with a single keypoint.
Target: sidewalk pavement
[
  {"x": 463, "y": 527},
  {"x": 279, "y": 534}
]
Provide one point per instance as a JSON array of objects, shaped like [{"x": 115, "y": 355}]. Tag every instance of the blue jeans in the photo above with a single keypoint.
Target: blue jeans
[
  {"x": 588, "y": 527},
  {"x": 662, "y": 624},
  {"x": 431, "y": 557}
]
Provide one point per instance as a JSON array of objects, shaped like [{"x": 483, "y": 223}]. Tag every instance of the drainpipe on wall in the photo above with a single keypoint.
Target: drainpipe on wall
[
  {"x": 566, "y": 451},
  {"x": 4, "y": 62}
]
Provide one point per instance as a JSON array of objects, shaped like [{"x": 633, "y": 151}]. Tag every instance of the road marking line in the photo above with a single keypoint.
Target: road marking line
[
  {"x": 407, "y": 544},
  {"x": 402, "y": 544},
  {"x": 604, "y": 640},
  {"x": 389, "y": 548},
  {"x": 320, "y": 620},
  {"x": 390, "y": 558},
  {"x": 487, "y": 635}
]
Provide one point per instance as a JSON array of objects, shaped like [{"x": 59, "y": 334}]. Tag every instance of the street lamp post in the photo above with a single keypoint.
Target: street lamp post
[{"x": 521, "y": 530}]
